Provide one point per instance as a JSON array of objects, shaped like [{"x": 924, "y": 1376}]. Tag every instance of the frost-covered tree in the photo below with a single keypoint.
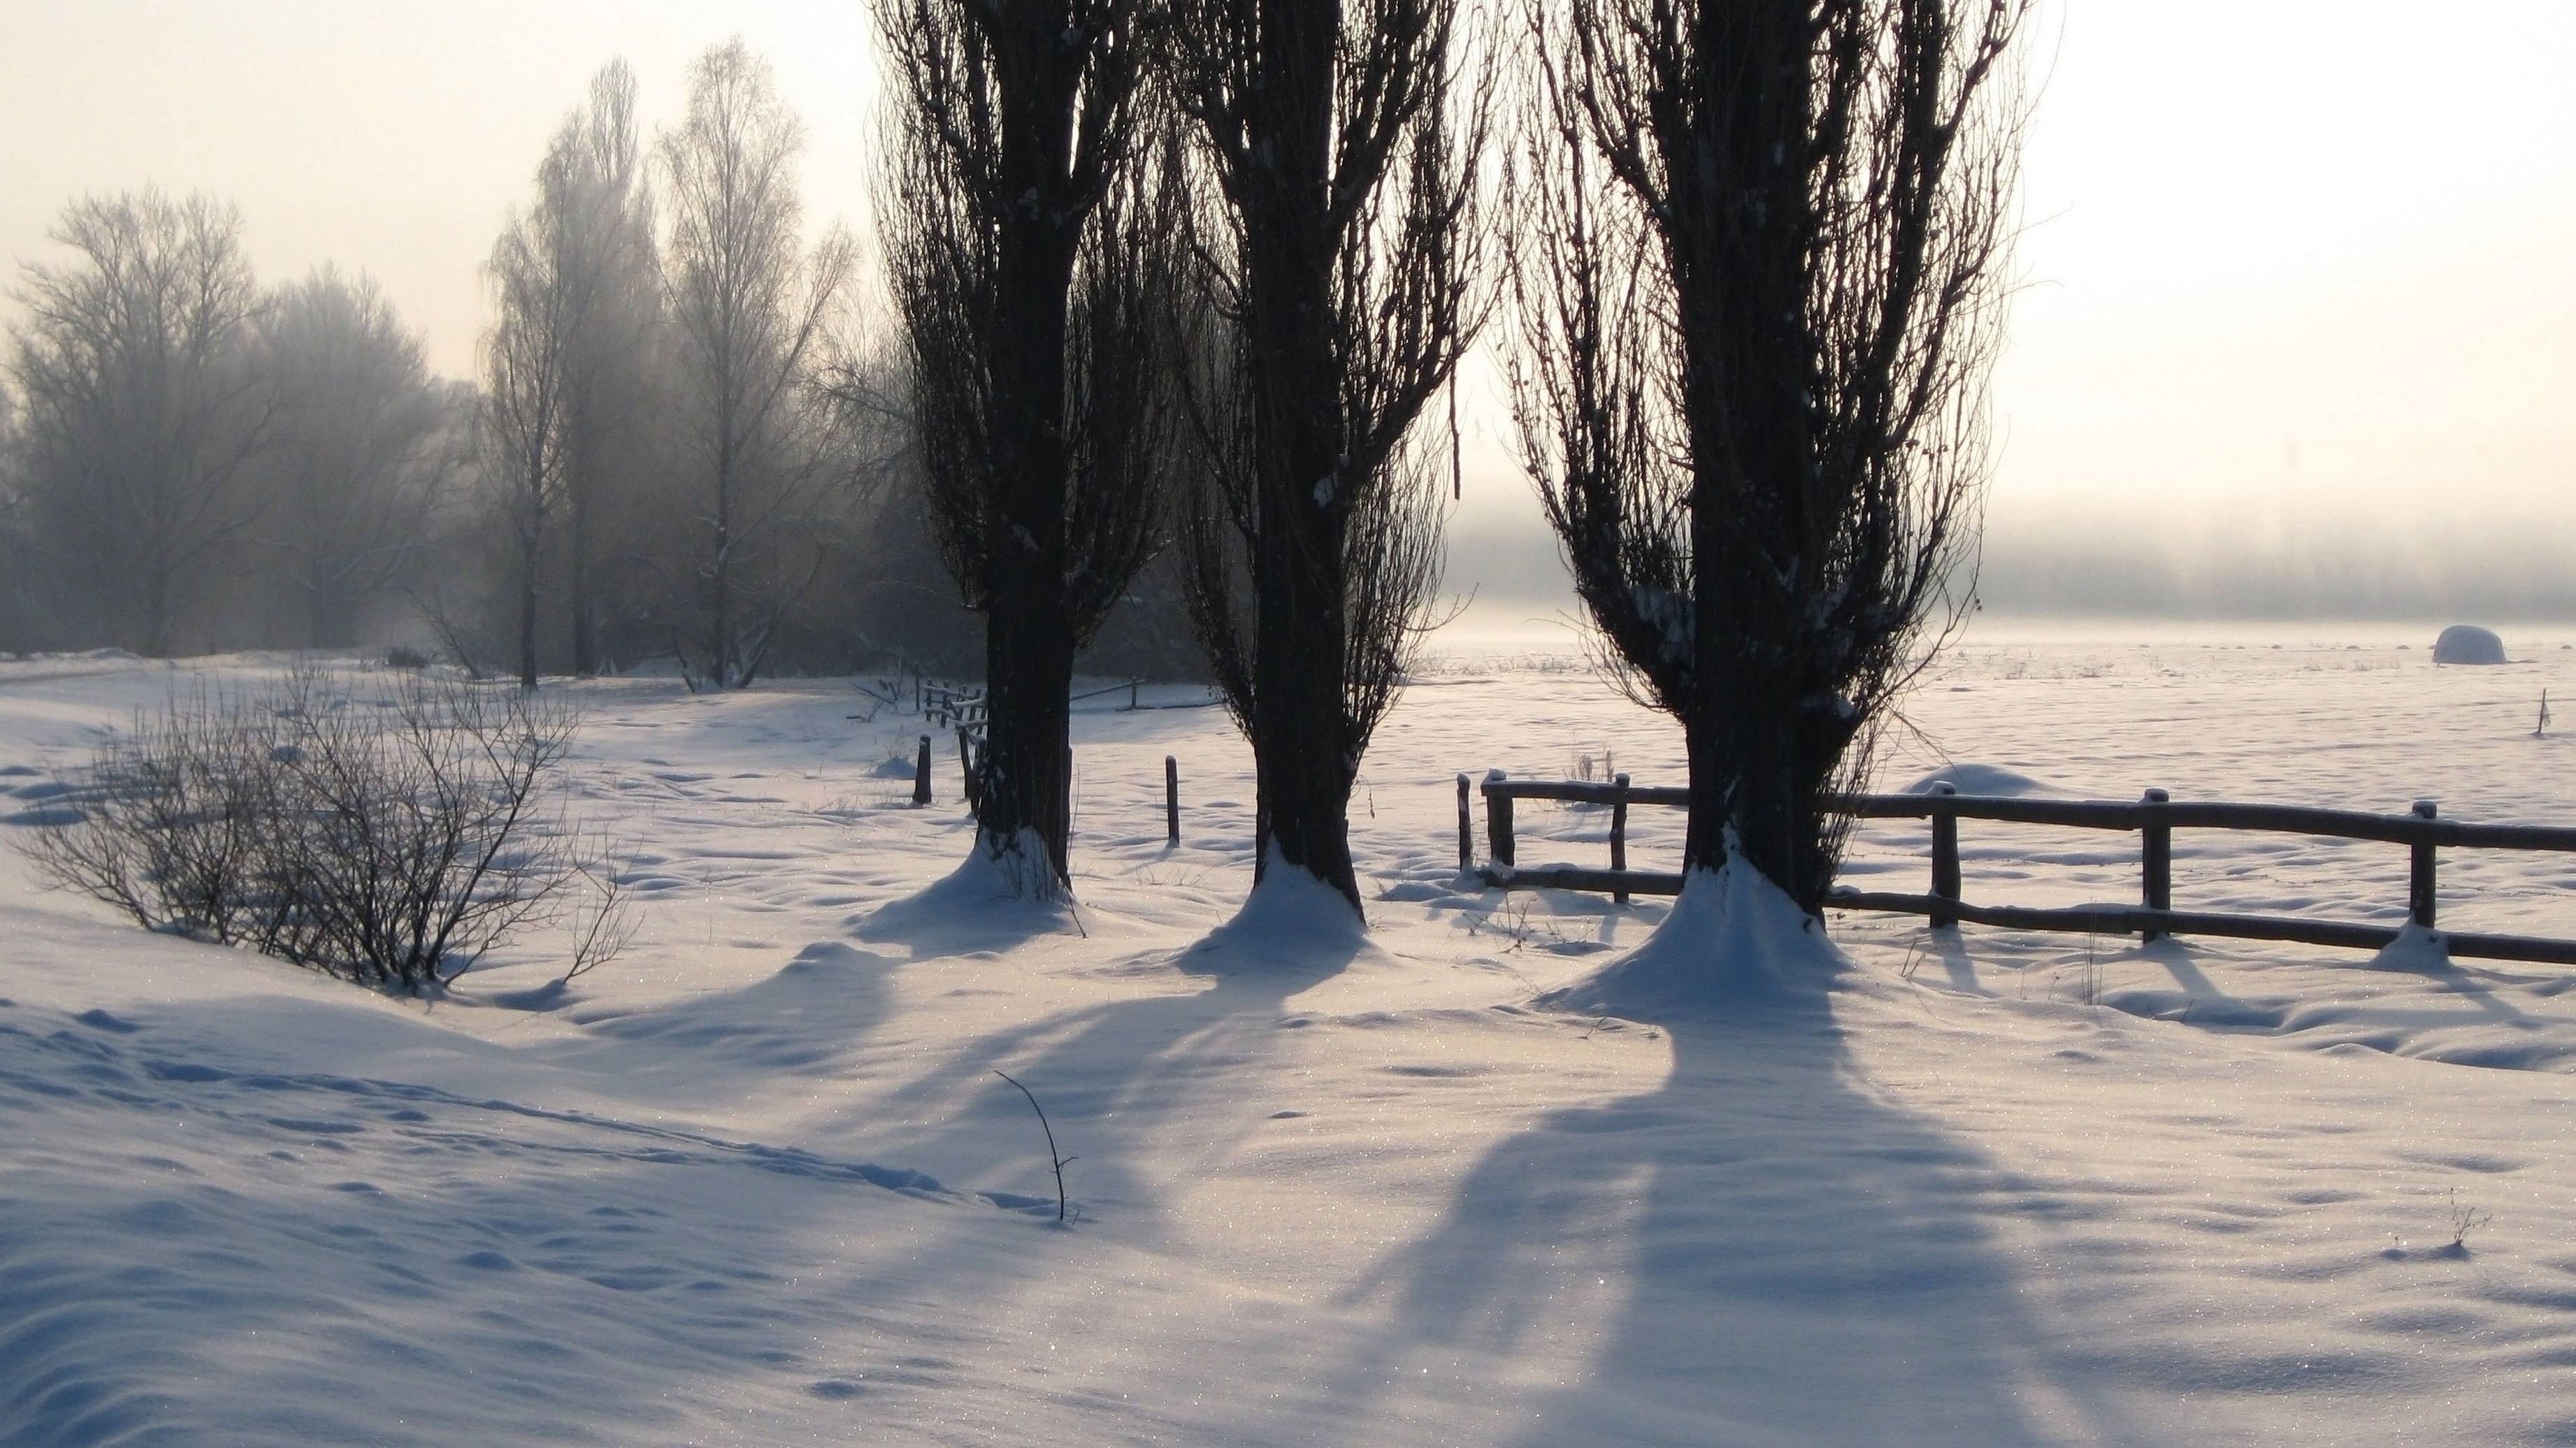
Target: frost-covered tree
[
  {"x": 1032, "y": 249},
  {"x": 143, "y": 409},
  {"x": 1339, "y": 147},
  {"x": 520, "y": 426},
  {"x": 749, "y": 309},
  {"x": 601, "y": 213},
  {"x": 1758, "y": 249},
  {"x": 362, "y": 449}
]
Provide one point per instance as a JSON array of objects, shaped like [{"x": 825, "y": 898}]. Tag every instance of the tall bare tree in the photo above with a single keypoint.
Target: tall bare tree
[
  {"x": 521, "y": 424},
  {"x": 1758, "y": 256},
  {"x": 143, "y": 408},
  {"x": 599, "y": 209},
  {"x": 1342, "y": 143},
  {"x": 362, "y": 448},
  {"x": 1033, "y": 257},
  {"x": 19, "y": 628},
  {"x": 750, "y": 310}
]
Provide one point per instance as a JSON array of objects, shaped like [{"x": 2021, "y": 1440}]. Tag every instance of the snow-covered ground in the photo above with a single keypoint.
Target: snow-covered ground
[{"x": 757, "y": 1181}]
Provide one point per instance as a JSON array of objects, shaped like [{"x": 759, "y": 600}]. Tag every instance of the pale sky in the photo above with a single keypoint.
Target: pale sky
[{"x": 2286, "y": 258}]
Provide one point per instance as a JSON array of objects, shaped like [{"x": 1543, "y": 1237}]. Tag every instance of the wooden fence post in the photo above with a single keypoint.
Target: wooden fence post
[
  {"x": 1498, "y": 820},
  {"x": 1172, "y": 799},
  {"x": 2419, "y": 881},
  {"x": 1945, "y": 856},
  {"x": 921, "y": 774},
  {"x": 1466, "y": 832},
  {"x": 1619, "y": 834},
  {"x": 2155, "y": 860},
  {"x": 966, "y": 763}
]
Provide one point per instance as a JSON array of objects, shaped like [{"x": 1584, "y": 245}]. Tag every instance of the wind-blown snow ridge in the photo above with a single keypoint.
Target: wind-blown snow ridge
[{"x": 663, "y": 1145}]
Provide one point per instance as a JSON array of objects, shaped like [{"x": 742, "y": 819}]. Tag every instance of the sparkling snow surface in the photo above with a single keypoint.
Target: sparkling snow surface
[{"x": 757, "y": 1181}]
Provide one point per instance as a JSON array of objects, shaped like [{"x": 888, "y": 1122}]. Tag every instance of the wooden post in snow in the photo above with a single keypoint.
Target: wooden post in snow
[
  {"x": 1171, "y": 799},
  {"x": 1498, "y": 820},
  {"x": 1466, "y": 831},
  {"x": 1945, "y": 856},
  {"x": 1619, "y": 835},
  {"x": 921, "y": 775},
  {"x": 2419, "y": 877},
  {"x": 2155, "y": 859}
]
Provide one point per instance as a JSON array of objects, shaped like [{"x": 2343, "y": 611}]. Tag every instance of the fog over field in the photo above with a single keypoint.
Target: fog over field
[
  {"x": 2280, "y": 349},
  {"x": 828, "y": 721}
]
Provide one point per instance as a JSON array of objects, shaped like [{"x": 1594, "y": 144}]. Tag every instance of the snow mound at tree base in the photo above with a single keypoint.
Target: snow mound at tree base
[
  {"x": 1733, "y": 944},
  {"x": 992, "y": 899},
  {"x": 1291, "y": 921}
]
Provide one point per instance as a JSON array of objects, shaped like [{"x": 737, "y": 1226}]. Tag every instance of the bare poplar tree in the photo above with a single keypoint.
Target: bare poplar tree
[
  {"x": 1032, "y": 251},
  {"x": 600, "y": 214},
  {"x": 1339, "y": 142},
  {"x": 362, "y": 448},
  {"x": 750, "y": 311},
  {"x": 1757, "y": 254},
  {"x": 521, "y": 425},
  {"x": 143, "y": 409},
  {"x": 19, "y": 626}
]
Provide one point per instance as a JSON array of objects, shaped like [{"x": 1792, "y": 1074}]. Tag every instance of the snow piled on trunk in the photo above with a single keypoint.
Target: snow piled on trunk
[
  {"x": 993, "y": 896},
  {"x": 1732, "y": 943},
  {"x": 1291, "y": 920}
]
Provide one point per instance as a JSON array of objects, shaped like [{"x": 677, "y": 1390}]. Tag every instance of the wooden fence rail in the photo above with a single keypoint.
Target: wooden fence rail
[{"x": 2153, "y": 818}]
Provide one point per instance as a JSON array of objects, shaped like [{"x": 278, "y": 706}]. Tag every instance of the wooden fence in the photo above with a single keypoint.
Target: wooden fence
[{"x": 2153, "y": 819}]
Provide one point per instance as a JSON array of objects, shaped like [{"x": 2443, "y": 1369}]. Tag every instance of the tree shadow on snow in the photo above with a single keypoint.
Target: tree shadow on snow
[
  {"x": 1806, "y": 1262},
  {"x": 1120, "y": 1080}
]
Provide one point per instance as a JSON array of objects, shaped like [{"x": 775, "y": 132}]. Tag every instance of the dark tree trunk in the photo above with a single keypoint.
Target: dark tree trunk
[
  {"x": 1750, "y": 385},
  {"x": 528, "y": 617},
  {"x": 1024, "y": 769},
  {"x": 585, "y": 649},
  {"x": 1026, "y": 782},
  {"x": 1299, "y": 732},
  {"x": 156, "y": 611}
]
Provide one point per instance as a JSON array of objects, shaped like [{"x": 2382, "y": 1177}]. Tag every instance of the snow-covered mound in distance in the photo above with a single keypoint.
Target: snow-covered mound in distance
[
  {"x": 1732, "y": 943},
  {"x": 2466, "y": 643},
  {"x": 1989, "y": 780}
]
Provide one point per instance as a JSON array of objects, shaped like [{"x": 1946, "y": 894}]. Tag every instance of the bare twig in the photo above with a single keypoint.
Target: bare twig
[{"x": 1059, "y": 1162}]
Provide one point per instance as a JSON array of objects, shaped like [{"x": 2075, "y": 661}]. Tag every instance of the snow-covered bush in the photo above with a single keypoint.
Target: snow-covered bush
[{"x": 391, "y": 841}]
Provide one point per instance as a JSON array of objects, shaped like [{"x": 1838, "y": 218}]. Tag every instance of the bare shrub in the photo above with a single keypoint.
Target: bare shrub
[
  {"x": 391, "y": 841},
  {"x": 169, "y": 822}
]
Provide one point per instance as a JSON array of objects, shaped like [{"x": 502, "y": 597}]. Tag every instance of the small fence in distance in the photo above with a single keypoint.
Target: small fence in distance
[{"x": 2153, "y": 819}]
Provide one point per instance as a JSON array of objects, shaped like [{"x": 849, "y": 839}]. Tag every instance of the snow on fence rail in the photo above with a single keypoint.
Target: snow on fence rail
[{"x": 2153, "y": 818}]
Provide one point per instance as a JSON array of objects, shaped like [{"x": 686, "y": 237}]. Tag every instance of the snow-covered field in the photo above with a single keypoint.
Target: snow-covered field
[{"x": 756, "y": 1181}]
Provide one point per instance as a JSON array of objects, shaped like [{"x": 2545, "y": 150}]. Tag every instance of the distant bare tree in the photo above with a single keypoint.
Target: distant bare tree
[
  {"x": 1341, "y": 143},
  {"x": 362, "y": 448},
  {"x": 750, "y": 310},
  {"x": 17, "y": 565},
  {"x": 1757, "y": 252},
  {"x": 1033, "y": 257},
  {"x": 143, "y": 409},
  {"x": 599, "y": 209},
  {"x": 521, "y": 425}
]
